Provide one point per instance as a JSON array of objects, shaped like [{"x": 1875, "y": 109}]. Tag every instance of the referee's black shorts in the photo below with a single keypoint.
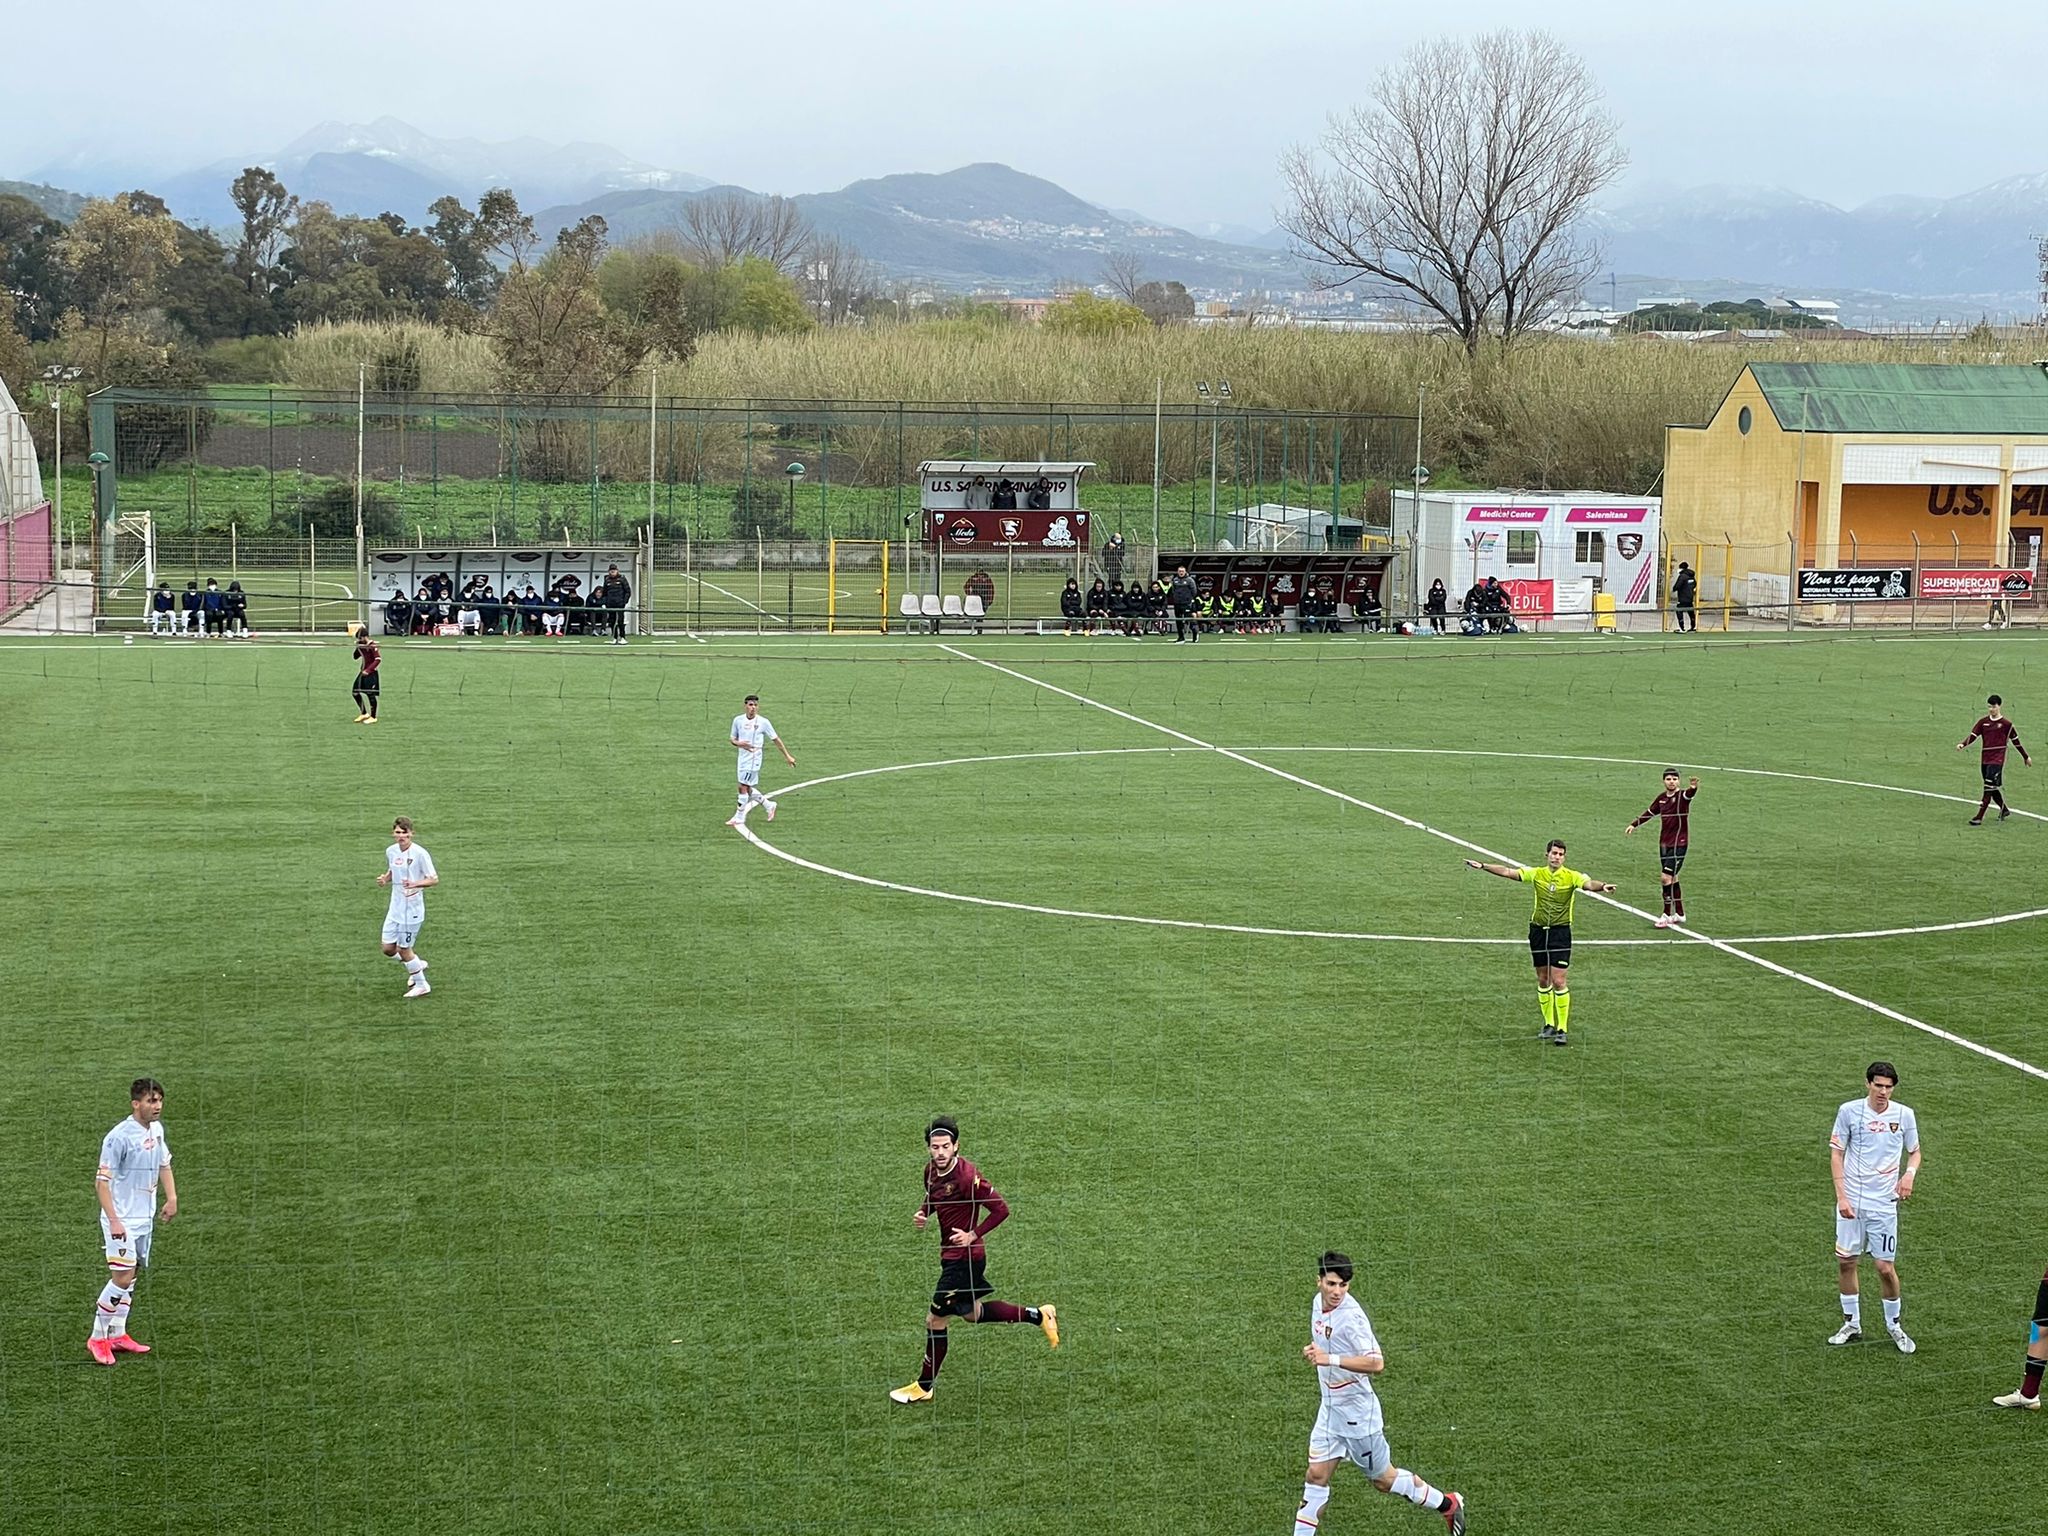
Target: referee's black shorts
[{"x": 1551, "y": 945}]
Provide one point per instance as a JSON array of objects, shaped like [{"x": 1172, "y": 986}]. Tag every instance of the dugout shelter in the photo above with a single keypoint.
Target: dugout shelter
[
  {"x": 395, "y": 573},
  {"x": 1809, "y": 473}
]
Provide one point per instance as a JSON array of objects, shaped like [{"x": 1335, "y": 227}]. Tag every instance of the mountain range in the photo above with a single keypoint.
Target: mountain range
[{"x": 987, "y": 225}]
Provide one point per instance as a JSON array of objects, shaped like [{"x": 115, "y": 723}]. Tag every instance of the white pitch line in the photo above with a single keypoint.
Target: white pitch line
[
  {"x": 1722, "y": 945},
  {"x": 715, "y": 587},
  {"x": 1320, "y": 933}
]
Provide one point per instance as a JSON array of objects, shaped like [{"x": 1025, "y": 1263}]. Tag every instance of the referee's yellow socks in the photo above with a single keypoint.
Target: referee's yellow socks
[
  {"x": 1562, "y": 1002},
  {"x": 1546, "y": 1001}
]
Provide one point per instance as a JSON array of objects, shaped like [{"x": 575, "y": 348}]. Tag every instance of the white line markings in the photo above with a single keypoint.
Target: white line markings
[
  {"x": 1324, "y": 933},
  {"x": 1722, "y": 945}
]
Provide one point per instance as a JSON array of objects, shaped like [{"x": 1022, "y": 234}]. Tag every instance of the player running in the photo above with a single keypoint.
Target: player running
[
  {"x": 1997, "y": 734},
  {"x": 368, "y": 658},
  {"x": 1349, "y": 1425},
  {"x": 749, "y": 730},
  {"x": 1871, "y": 1137},
  {"x": 134, "y": 1158},
  {"x": 954, "y": 1192},
  {"x": 408, "y": 870},
  {"x": 1674, "y": 833},
  {"x": 1550, "y": 930},
  {"x": 2029, "y": 1393}
]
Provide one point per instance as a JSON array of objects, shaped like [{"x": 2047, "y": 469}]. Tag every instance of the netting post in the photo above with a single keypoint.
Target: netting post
[{"x": 1913, "y": 608}]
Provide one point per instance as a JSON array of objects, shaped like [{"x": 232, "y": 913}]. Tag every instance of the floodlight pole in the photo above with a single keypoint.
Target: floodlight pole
[
  {"x": 58, "y": 375},
  {"x": 362, "y": 561},
  {"x": 647, "y": 584},
  {"x": 1158, "y": 413}
]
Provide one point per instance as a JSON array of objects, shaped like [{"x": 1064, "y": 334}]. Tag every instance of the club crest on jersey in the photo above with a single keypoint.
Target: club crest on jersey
[{"x": 1894, "y": 1127}]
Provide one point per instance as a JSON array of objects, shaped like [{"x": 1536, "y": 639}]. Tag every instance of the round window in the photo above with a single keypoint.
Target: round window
[{"x": 1742, "y": 420}]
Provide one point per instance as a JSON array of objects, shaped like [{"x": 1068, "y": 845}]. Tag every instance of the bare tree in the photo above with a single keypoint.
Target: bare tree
[
  {"x": 1122, "y": 273},
  {"x": 836, "y": 280},
  {"x": 1461, "y": 187},
  {"x": 726, "y": 226}
]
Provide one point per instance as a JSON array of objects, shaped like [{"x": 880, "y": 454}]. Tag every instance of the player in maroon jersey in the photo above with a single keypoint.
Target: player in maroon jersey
[
  {"x": 2028, "y": 1394},
  {"x": 1997, "y": 733},
  {"x": 1674, "y": 836},
  {"x": 368, "y": 658},
  {"x": 955, "y": 1195}
]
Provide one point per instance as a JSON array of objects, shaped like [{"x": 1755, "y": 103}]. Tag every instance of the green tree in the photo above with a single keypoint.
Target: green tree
[
  {"x": 30, "y": 269},
  {"x": 1083, "y": 314},
  {"x": 116, "y": 253},
  {"x": 760, "y": 507},
  {"x": 1164, "y": 303},
  {"x": 266, "y": 209}
]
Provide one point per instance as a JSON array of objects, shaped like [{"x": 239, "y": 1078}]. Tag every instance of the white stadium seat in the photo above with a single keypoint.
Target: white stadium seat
[{"x": 951, "y": 607}]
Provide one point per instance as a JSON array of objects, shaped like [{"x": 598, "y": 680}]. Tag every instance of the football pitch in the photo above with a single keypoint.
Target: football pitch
[{"x": 612, "y": 1231}]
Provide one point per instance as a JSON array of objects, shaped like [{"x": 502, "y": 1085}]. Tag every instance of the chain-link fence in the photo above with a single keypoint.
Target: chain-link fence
[{"x": 446, "y": 469}]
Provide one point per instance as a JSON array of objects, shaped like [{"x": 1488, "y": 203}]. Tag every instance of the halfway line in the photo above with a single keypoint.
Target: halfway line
[{"x": 1450, "y": 837}]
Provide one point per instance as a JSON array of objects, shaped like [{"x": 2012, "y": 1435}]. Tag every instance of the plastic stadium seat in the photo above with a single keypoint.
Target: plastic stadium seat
[
  {"x": 908, "y": 607},
  {"x": 928, "y": 605},
  {"x": 971, "y": 605},
  {"x": 951, "y": 607}
]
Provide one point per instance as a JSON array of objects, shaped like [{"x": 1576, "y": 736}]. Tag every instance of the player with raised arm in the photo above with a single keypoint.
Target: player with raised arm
[
  {"x": 408, "y": 870},
  {"x": 1349, "y": 1425},
  {"x": 134, "y": 1158},
  {"x": 2036, "y": 1362},
  {"x": 366, "y": 687},
  {"x": 967, "y": 1208},
  {"x": 1874, "y": 1152},
  {"x": 1997, "y": 733},
  {"x": 1674, "y": 834},
  {"x": 1550, "y": 930},
  {"x": 749, "y": 730}
]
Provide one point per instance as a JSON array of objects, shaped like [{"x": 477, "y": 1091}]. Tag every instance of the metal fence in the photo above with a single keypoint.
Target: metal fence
[{"x": 528, "y": 468}]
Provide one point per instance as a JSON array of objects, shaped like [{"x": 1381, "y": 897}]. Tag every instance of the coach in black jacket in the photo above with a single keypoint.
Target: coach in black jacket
[
  {"x": 1183, "y": 595},
  {"x": 615, "y": 592}
]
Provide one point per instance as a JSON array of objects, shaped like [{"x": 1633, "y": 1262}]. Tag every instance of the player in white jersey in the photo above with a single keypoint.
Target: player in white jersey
[
  {"x": 408, "y": 870},
  {"x": 1346, "y": 1356},
  {"x": 1875, "y": 1154},
  {"x": 134, "y": 1159},
  {"x": 749, "y": 731}
]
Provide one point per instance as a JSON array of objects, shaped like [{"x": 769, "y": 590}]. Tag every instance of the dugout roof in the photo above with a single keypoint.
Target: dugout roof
[{"x": 986, "y": 467}]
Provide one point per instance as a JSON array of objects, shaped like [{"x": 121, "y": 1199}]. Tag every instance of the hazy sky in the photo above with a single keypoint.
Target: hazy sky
[{"x": 1176, "y": 109}]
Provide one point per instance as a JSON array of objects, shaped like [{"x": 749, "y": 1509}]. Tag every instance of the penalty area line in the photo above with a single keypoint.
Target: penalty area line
[{"x": 1722, "y": 945}]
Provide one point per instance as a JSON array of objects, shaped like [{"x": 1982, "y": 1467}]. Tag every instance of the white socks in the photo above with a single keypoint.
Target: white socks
[
  {"x": 1891, "y": 1311},
  {"x": 1852, "y": 1309},
  {"x": 1312, "y": 1501},
  {"x": 113, "y": 1302},
  {"x": 1412, "y": 1488},
  {"x": 755, "y": 797},
  {"x": 110, "y": 1317},
  {"x": 414, "y": 966}
]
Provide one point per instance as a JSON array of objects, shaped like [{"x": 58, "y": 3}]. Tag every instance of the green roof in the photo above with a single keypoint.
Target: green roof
[{"x": 1937, "y": 398}]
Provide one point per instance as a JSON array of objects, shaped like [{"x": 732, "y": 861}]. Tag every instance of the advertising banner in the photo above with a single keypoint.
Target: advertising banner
[
  {"x": 1060, "y": 532},
  {"x": 2007, "y": 584},
  {"x": 1532, "y": 599},
  {"x": 1519, "y": 516},
  {"x": 1882, "y": 584},
  {"x": 1598, "y": 515}
]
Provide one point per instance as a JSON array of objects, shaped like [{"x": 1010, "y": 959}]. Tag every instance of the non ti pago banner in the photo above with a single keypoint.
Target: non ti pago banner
[{"x": 1881, "y": 584}]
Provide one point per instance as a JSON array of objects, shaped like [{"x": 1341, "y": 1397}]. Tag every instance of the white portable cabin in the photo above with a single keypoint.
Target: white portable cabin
[{"x": 1552, "y": 549}]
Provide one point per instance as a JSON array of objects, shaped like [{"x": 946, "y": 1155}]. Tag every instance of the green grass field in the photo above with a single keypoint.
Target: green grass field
[{"x": 612, "y": 1231}]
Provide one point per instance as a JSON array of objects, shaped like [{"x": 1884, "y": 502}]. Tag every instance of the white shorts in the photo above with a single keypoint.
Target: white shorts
[
  {"x": 125, "y": 1252},
  {"x": 750, "y": 775},
  {"x": 1875, "y": 1233},
  {"x": 402, "y": 934},
  {"x": 1335, "y": 1438}
]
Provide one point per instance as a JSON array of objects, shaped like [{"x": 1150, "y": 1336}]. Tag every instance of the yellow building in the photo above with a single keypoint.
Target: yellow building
[{"x": 1832, "y": 465}]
